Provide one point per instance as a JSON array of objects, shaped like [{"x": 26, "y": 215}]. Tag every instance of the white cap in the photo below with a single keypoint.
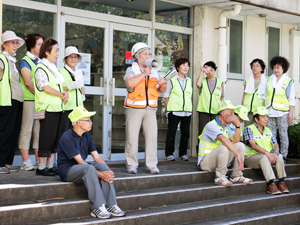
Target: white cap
[
  {"x": 69, "y": 51},
  {"x": 10, "y": 35}
]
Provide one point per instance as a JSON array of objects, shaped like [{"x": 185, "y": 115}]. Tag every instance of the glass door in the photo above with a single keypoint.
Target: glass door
[
  {"x": 104, "y": 46},
  {"x": 123, "y": 37},
  {"x": 91, "y": 39}
]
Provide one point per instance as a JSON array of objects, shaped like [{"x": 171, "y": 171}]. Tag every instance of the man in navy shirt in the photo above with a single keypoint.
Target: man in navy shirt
[{"x": 73, "y": 149}]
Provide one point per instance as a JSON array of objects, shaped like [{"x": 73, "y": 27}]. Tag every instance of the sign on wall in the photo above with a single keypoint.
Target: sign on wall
[{"x": 85, "y": 66}]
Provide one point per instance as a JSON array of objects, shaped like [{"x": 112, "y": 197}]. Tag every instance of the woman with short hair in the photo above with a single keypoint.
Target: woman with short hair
[
  {"x": 11, "y": 101},
  {"x": 29, "y": 124},
  {"x": 178, "y": 100},
  {"x": 280, "y": 101},
  {"x": 49, "y": 98},
  {"x": 255, "y": 89}
]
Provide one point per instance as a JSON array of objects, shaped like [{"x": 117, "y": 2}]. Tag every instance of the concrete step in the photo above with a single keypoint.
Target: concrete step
[
  {"x": 60, "y": 208},
  {"x": 199, "y": 211},
  {"x": 21, "y": 193},
  {"x": 285, "y": 215}
]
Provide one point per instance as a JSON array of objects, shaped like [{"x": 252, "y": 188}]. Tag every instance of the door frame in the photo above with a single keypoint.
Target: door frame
[{"x": 295, "y": 67}]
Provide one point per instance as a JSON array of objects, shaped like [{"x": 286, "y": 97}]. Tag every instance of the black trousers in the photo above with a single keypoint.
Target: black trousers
[
  {"x": 204, "y": 118},
  {"x": 10, "y": 127},
  {"x": 51, "y": 130},
  {"x": 184, "y": 130}
]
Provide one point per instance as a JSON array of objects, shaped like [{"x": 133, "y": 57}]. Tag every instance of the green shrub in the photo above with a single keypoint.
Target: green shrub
[{"x": 294, "y": 139}]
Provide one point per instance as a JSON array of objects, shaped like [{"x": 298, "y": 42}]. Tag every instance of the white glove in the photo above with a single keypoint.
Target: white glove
[
  {"x": 74, "y": 85},
  {"x": 83, "y": 97}
]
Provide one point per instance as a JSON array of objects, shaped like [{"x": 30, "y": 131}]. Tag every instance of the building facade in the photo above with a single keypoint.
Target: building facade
[{"x": 231, "y": 33}]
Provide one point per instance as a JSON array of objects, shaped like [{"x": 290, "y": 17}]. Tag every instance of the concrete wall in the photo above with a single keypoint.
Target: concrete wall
[{"x": 255, "y": 47}]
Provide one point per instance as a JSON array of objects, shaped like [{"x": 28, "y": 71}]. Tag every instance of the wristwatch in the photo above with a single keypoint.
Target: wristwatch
[{"x": 277, "y": 153}]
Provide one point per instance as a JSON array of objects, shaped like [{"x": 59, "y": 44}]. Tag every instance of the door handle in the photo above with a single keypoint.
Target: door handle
[
  {"x": 106, "y": 97},
  {"x": 113, "y": 91},
  {"x": 101, "y": 85}
]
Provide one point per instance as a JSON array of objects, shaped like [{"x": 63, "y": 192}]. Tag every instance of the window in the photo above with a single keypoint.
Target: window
[
  {"x": 273, "y": 43},
  {"x": 235, "y": 48},
  {"x": 26, "y": 21}
]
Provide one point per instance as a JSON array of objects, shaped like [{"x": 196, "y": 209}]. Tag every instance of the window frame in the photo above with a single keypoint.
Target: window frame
[
  {"x": 236, "y": 76},
  {"x": 277, "y": 25}
]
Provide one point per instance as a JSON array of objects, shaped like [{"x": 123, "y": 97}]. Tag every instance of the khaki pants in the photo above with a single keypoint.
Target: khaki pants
[
  {"x": 29, "y": 126},
  {"x": 259, "y": 161},
  {"x": 219, "y": 158},
  {"x": 135, "y": 118}
]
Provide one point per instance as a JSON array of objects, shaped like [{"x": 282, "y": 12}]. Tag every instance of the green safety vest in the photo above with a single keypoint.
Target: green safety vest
[
  {"x": 28, "y": 95},
  {"x": 263, "y": 140},
  {"x": 75, "y": 98},
  {"x": 5, "y": 88},
  {"x": 180, "y": 100},
  {"x": 43, "y": 100},
  {"x": 281, "y": 101},
  {"x": 252, "y": 101},
  {"x": 206, "y": 147},
  {"x": 209, "y": 102}
]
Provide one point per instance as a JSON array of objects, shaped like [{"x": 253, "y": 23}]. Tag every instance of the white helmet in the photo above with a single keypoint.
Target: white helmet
[{"x": 137, "y": 47}]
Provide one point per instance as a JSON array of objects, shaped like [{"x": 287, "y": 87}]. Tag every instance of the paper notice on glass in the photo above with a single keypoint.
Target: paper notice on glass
[{"x": 85, "y": 66}]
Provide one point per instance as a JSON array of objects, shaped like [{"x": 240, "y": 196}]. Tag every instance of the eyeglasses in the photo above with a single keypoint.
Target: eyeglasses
[
  {"x": 88, "y": 121},
  {"x": 146, "y": 54},
  {"x": 73, "y": 57},
  {"x": 14, "y": 43}
]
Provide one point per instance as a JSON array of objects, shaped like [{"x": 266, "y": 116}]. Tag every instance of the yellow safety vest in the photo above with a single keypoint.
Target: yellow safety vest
[
  {"x": 75, "y": 98},
  {"x": 28, "y": 95},
  {"x": 263, "y": 140},
  {"x": 44, "y": 101},
  {"x": 180, "y": 100},
  {"x": 278, "y": 101},
  {"x": 206, "y": 147},
  {"x": 209, "y": 102},
  {"x": 5, "y": 86},
  {"x": 252, "y": 101}
]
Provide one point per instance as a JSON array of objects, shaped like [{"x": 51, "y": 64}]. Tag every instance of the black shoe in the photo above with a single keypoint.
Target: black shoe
[
  {"x": 45, "y": 172},
  {"x": 54, "y": 170}
]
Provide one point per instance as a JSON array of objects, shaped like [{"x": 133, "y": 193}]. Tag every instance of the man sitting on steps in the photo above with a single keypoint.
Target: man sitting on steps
[
  {"x": 73, "y": 148},
  {"x": 217, "y": 148},
  {"x": 262, "y": 143}
]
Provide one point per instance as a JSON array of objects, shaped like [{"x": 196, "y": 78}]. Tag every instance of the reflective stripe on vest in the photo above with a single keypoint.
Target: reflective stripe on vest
[
  {"x": 180, "y": 100},
  {"x": 5, "y": 88},
  {"x": 75, "y": 98},
  {"x": 143, "y": 95},
  {"x": 44, "y": 101},
  {"x": 209, "y": 102},
  {"x": 252, "y": 101},
  {"x": 28, "y": 95},
  {"x": 278, "y": 101},
  {"x": 206, "y": 147},
  {"x": 263, "y": 140}
]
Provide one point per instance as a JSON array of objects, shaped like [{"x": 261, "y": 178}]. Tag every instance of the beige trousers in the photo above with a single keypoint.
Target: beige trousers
[
  {"x": 259, "y": 161},
  {"x": 219, "y": 158},
  {"x": 29, "y": 126},
  {"x": 135, "y": 118}
]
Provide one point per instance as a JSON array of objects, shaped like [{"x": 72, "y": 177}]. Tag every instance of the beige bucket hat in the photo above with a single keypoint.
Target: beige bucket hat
[
  {"x": 71, "y": 50},
  {"x": 10, "y": 35}
]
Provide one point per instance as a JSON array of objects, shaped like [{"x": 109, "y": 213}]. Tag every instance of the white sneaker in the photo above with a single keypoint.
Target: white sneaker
[
  {"x": 241, "y": 179},
  {"x": 27, "y": 165},
  {"x": 223, "y": 181},
  {"x": 184, "y": 158},
  {"x": 116, "y": 211},
  {"x": 153, "y": 170},
  {"x": 170, "y": 158},
  {"x": 132, "y": 170},
  {"x": 101, "y": 213}
]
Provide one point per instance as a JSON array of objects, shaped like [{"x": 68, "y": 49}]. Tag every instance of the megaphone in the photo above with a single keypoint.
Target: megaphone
[{"x": 155, "y": 63}]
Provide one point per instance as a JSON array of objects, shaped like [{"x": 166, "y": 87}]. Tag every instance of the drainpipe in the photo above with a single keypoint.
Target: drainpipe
[{"x": 222, "y": 54}]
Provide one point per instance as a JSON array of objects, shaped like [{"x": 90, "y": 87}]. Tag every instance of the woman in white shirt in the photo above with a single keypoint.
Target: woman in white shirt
[{"x": 280, "y": 101}]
